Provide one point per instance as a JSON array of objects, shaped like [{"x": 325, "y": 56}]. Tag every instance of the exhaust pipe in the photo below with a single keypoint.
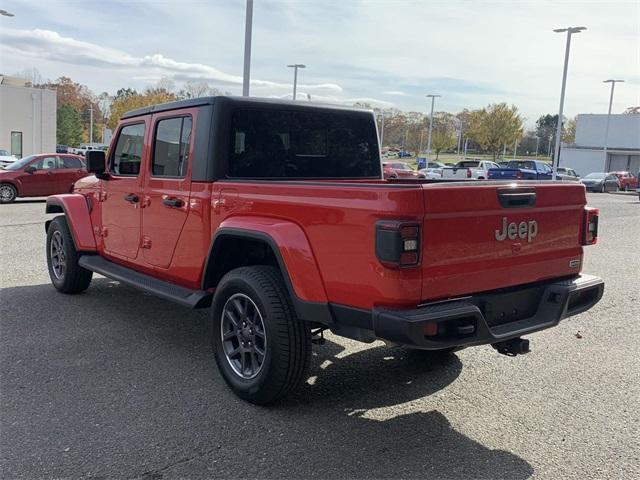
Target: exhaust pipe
[{"x": 512, "y": 347}]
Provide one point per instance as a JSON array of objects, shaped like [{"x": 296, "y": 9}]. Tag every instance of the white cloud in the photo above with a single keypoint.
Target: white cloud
[
  {"x": 395, "y": 92},
  {"x": 52, "y": 46}
]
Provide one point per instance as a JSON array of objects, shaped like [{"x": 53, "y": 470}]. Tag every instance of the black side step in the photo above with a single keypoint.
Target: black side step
[{"x": 159, "y": 288}]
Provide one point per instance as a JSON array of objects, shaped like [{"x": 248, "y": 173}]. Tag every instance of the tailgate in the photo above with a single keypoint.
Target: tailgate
[
  {"x": 484, "y": 236},
  {"x": 452, "y": 172}
]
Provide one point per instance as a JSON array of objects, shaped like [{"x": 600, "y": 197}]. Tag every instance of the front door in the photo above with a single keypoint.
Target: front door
[
  {"x": 167, "y": 187},
  {"x": 123, "y": 192},
  {"x": 43, "y": 180}
]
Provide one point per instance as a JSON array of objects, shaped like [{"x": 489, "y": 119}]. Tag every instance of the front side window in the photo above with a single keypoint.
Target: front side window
[
  {"x": 127, "y": 156},
  {"x": 301, "y": 144},
  {"x": 46, "y": 163},
  {"x": 171, "y": 147}
]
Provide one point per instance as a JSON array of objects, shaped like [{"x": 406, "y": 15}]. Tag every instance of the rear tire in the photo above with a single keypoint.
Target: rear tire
[
  {"x": 8, "y": 193},
  {"x": 262, "y": 349},
  {"x": 62, "y": 259}
]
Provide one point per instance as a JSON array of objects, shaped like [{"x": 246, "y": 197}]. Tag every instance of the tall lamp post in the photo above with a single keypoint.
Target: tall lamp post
[
  {"x": 433, "y": 98},
  {"x": 606, "y": 131},
  {"x": 570, "y": 31},
  {"x": 381, "y": 115},
  {"x": 295, "y": 67},
  {"x": 247, "y": 49}
]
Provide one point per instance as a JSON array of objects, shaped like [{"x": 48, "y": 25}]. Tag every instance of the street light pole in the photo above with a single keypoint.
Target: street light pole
[
  {"x": 537, "y": 145},
  {"x": 248, "y": 24},
  {"x": 515, "y": 148},
  {"x": 295, "y": 67},
  {"x": 606, "y": 132},
  {"x": 433, "y": 98},
  {"x": 549, "y": 146},
  {"x": 570, "y": 31}
]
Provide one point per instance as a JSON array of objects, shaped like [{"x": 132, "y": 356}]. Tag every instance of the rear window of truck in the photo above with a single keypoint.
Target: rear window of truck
[{"x": 298, "y": 144}]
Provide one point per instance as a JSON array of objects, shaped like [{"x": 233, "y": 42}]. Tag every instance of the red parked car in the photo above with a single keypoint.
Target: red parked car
[
  {"x": 399, "y": 170},
  {"x": 40, "y": 175},
  {"x": 628, "y": 181}
]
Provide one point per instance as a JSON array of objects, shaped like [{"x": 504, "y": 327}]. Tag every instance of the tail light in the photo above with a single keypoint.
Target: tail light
[
  {"x": 398, "y": 243},
  {"x": 468, "y": 173},
  {"x": 590, "y": 227},
  {"x": 519, "y": 175}
]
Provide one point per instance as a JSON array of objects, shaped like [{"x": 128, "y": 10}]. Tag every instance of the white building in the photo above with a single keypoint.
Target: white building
[
  {"x": 27, "y": 118},
  {"x": 586, "y": 155}
]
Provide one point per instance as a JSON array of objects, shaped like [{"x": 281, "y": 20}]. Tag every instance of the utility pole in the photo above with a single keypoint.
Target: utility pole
[
  {"x": 606, "y": 132},
  {"x": 549, "y": 146},
  {"x": 537, "y": 145},
  {"x": 295, "y": 67},
  {"x": 459, "y": 138},
  {"x": 381, "y": 129},
  {"x": 248, "y": 24},
  {"x": 433, "y": 98},
  {"x": 466, "y": 142},
  {"x": 90, "y": 124},
  {"x": 515, "y": 148},
  {"x": 570, "y": 31}
]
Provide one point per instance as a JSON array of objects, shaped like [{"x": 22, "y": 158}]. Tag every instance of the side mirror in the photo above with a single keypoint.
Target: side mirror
[
  {"x": 30, "y": 169},
  {"x": 96, "y": 162}
]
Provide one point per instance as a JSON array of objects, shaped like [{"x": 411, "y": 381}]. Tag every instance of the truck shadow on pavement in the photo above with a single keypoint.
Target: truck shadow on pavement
[{"x": 120, "y": 384}]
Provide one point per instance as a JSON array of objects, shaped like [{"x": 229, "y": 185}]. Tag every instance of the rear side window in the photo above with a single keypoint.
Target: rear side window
[
  {"x": 128, "y": 152},
  {"x": 297, "y": 144},
  {"x": 171, "y": 147},
  {"x": 467, "y": 164},
  {"x": 71, "y": 162}
]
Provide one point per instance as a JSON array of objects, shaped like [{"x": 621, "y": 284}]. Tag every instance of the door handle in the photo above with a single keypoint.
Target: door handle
[
  {"x": 173, "y": 202},
  {"x": 132, "y": 198}
]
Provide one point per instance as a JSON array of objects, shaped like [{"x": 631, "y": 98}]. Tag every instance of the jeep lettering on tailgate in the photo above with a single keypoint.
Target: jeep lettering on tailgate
[{"x": 527, "y": 230}]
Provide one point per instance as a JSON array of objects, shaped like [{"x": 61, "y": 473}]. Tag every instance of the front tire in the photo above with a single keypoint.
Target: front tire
[
  {"x": 260, "y": 346},
  {"x": 8, "y": 193},
  {"x": 62, "y": 259}
]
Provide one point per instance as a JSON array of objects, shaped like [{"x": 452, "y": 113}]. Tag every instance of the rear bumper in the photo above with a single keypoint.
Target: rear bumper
[{"x": 476, "y": 320}]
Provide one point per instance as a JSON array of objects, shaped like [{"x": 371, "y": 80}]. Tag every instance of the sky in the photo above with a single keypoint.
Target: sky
[{"x": 389, "y": 53}]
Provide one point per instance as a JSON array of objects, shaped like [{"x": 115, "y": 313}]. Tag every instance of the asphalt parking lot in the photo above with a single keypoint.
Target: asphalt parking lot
[{"x": 113, "y": 383}]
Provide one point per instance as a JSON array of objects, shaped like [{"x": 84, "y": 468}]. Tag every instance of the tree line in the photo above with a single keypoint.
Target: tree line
[{"x": 492, "y": 130}]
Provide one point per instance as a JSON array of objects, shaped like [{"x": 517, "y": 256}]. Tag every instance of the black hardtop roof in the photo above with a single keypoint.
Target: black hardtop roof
[{"x": 241, "y": 101}]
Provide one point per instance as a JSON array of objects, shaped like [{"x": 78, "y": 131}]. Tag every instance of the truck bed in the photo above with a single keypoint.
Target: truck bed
[{"x": 459, "y": 251}]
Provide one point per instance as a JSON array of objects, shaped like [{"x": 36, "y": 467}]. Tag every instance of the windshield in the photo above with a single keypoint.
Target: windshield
[
  {"x": 596, "y": 175},
  {"x": 4, "y": 153},
  {"x": 18, "y": 164}
]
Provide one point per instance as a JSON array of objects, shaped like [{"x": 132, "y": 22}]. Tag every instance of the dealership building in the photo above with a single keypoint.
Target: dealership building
[
  {"x": 586, "y": 155},
  {"x": 27, "y": 118}
]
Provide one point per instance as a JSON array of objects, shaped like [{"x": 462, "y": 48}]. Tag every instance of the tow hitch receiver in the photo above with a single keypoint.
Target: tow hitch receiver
[{"x": 512, "y": 347}]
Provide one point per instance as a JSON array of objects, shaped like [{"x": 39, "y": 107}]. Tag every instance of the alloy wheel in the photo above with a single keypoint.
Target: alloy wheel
[
  {"x": 243, "y": 335},
  {"x": 58, "y": 255}
]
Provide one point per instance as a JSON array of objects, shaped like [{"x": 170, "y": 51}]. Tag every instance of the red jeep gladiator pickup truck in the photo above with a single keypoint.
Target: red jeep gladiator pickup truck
[{"x": 276, "y": 215}]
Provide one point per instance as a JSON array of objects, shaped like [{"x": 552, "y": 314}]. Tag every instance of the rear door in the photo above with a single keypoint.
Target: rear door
[
  {"x": 71, "y": 169},
  {"x": 167, "y": 185},
  {"x": 485, "y": 236}
]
